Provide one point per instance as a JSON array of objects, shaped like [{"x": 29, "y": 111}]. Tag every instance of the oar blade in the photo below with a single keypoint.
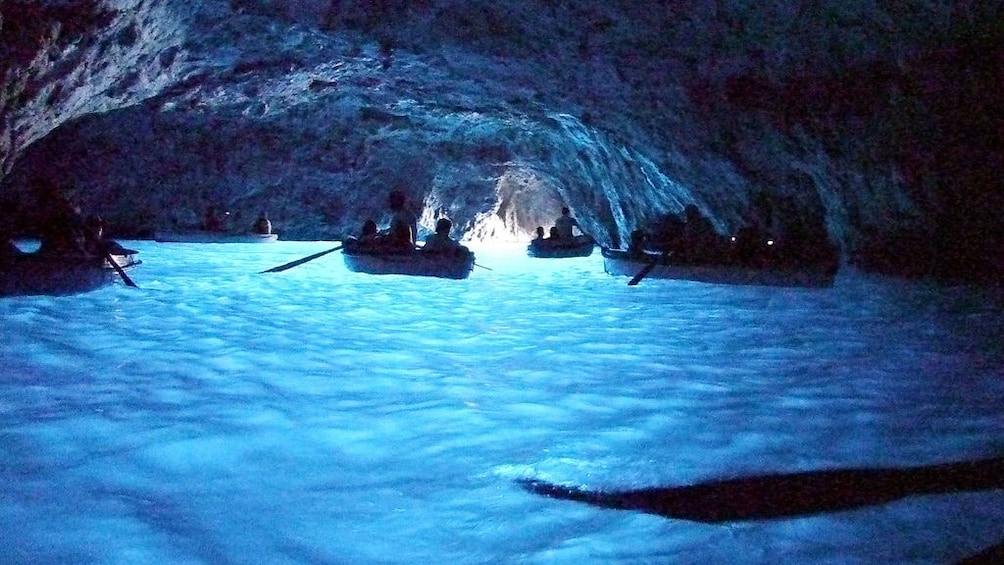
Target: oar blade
[
  {"x": 119, "y": 270},
  {"x": 648, "y": 268},
  {"x": 641, "y": 274},
  {"x": 299, "y": 262}
]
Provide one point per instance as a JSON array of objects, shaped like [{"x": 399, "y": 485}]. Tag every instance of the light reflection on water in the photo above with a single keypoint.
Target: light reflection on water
[{"x": 216, "y": 414}]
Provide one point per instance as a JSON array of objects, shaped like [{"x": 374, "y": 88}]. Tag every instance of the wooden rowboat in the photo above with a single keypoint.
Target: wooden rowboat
[
  {"x": 203, "y": 236},
  {"x": 454, "y": 264},
  {"x": 40, "y": 274},
  {"x": 665, "y": 266},
  {"x": 551, "y": 248}
]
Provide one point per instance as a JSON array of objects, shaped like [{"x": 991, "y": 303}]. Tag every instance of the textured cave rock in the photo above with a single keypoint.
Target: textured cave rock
[{"x": 883, "y": 121}]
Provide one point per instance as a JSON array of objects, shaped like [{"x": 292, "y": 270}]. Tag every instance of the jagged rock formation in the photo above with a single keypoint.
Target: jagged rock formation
[{"x": 882, "y": 121}]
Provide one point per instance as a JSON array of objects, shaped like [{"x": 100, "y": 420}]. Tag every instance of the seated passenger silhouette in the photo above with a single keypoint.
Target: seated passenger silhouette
[
  {"x": 700, "y": 241},
  {"x": 369, "y": 232},
  {"x": 440, "y": 241},
  {"x": 63, "y": 231},
  {"x": 369, "y": 239},
  {"x": 262, "y": 225},
  {"x": 639, "y": 239},
  {"x": 95, "y": 242},
  {"x": 211, "y": 221},
  {"x": 403, "y": 223},
  {"x": 563, "y": 225}
]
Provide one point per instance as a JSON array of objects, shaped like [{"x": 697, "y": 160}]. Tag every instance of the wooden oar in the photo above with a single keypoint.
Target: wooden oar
[
  {"x": 299, "y": 262},
  {"x": 101, "y": 244},
  {"x": 641, "y": 274},
  {"x": 646, "y": 270},
  {"x": 119, "y": 270},
  {"x": 789, "y": 495}
]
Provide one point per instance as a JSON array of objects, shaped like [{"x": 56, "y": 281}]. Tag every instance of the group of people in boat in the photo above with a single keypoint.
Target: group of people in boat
[
  {"x": 691, "y": 237},
  {"x": 763, "y": 241},
  {"x": 65, "y": 232},
  {"x": 214, "y": 221},
  {"x": 562, "y": 229},
  {"x": 400, "y": 235}
]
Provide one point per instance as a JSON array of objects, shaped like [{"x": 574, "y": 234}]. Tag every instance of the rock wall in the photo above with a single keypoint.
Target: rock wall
[
  {"x": 882, "y": 120},
  {"x": 71, "y": 58}
]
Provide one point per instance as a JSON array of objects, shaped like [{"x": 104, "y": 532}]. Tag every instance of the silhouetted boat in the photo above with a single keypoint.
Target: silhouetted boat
[
  {"x": 204, "y": 236},
  {"x": 41, "y": 274},
  {"x": 552, "y": 248},
  {"x": 666, "y": 266},
  {"x": 448, "y": 265}
]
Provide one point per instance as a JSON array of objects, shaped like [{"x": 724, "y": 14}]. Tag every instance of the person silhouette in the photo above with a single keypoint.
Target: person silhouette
[
  {"x": 64, "y": 230},
  {"x": 565, "y": 223},
  {"x": 211, "y": 220},
  {"x": 440, "y": 241},
  {"x": 262, "y": 225},
  {"x": 403, "y": 223}
]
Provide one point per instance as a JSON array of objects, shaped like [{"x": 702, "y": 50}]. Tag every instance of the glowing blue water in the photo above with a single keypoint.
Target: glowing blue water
[{"x": 218, "y": 415}]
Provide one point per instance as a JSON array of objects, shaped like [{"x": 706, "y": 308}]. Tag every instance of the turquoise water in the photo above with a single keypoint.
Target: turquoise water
[{"x": 219, "y": 415}]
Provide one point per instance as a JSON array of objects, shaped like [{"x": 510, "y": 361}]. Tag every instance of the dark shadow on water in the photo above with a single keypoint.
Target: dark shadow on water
[{"x": 786, "y": 495}]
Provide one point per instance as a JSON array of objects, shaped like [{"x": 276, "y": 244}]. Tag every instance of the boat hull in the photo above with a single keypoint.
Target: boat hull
[
  {"x": 35, "y": 274},
  {"x": 214, "y": 237},
  {"x": 622, "y": 263},
  {"x": 447, "y": 265},
  {"x": 579, "y": 246}
]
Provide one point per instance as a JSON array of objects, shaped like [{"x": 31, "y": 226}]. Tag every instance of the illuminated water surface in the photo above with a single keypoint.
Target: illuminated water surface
[{"x": 218, "y": 415}]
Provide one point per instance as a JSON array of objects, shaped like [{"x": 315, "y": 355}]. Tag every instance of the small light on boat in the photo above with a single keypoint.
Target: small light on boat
[
  {"x": 733, "y": 239},
  {"x": 770, "y": 242}
]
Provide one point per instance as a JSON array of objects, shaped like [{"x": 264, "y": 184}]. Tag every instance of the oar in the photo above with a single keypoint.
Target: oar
[
  {"x": 483, "y": 267},
  {"x": 108, "y": 257},
  {"x": 641, "y": 274},
  {"x": 299, "y": 262},
  {"x": 646, "y": 270},
  {"x": 119, "y": 270}
]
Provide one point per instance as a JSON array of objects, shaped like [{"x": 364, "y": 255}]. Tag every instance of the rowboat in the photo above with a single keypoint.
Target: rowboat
[
  {"x": 205, "y": 236},
  {"x": 361, "y": 258},
  {"x": 42, "y": 274},
  {"x": 124, "y": 257},
  {"x": 621, "y": 262},
  {"x": 555, "y": 248}
]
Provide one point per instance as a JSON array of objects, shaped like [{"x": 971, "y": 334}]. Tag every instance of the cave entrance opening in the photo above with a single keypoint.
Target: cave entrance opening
[{"x": 524, "y": 199}]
